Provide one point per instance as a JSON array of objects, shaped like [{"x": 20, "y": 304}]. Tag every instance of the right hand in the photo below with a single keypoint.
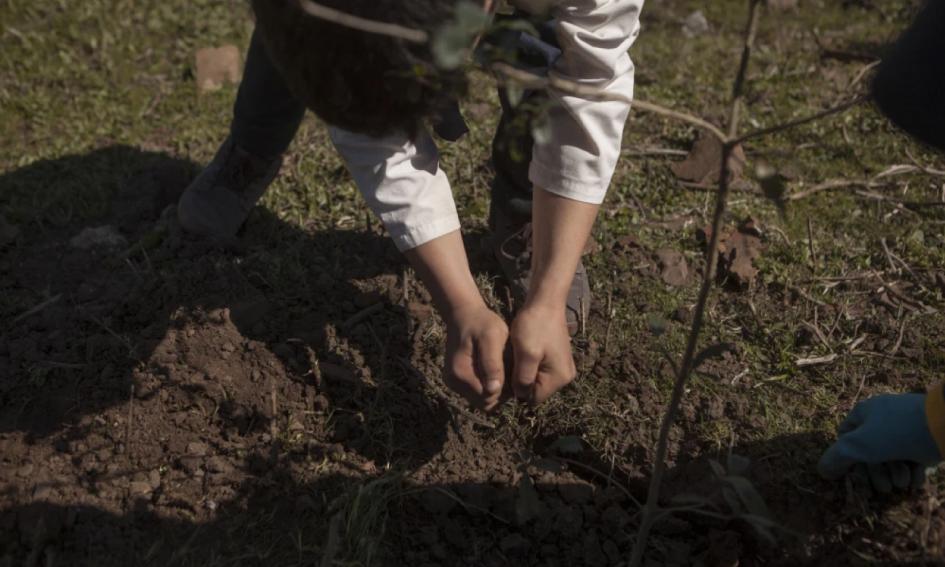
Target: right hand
[
  {"x": 475, "y": 343},
  {"x": 885, "y": 438}
]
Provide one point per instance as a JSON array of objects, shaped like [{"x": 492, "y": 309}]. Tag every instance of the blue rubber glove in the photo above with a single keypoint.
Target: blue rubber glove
[{"x": 887, "y": 440}]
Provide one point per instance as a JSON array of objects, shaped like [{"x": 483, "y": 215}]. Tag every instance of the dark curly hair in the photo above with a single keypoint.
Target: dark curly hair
[{"x": 359, "y": 81}]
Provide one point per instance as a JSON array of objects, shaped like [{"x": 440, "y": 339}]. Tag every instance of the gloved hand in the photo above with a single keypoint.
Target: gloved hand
[{"x": 889, "y": 436}]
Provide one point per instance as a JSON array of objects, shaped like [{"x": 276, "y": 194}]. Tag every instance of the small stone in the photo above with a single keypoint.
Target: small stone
[
  {"x": 25, "y": 471},
  {"x": 681, "y": 315},
  {"x": 140, "y": 488},
  {"x": 216, "y": 66},
  {"x": 100, "y": 237},
  {"x": 191, "y": 464},
  {"x": 42, "y": 492},
  {"x": 154, "y": 479},
  {"x": 218, "y": 464},
  {"x": 673, "y": 267}
]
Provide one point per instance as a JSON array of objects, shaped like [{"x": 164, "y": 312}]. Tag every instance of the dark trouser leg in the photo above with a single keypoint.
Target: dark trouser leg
[
  {"x": 266, "y": 116},
  {"x": 910, "y": 84},
  {"x": 511, "y": 156},
  {"x": 512, "y": 145}
]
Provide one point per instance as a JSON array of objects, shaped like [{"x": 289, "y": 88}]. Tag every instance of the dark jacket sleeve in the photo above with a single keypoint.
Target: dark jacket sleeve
[{"x": 909, "y": 86}]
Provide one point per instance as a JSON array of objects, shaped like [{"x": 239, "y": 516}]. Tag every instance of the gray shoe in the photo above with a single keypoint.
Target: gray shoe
[
  {"x": 512, "y": 246},
  {"x": 218, "y": 201}
]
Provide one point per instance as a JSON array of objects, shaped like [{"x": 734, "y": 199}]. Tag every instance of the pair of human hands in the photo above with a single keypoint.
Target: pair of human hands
[{"x": 477, "y": 340}]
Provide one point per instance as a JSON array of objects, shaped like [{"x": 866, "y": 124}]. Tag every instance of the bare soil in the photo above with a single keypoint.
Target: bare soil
[{"x": 173, "y": 407}]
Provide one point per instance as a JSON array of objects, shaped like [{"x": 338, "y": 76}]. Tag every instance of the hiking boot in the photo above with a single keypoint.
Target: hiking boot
[
  {"x": 218, "y": 201},
  {"x": 511, "y": 244}
]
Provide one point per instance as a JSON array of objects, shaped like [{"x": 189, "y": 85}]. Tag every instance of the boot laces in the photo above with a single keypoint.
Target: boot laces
[{"x": 517, "y": 247}]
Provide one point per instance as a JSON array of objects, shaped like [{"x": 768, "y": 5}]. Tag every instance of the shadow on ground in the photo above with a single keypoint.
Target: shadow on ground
[{"x": 169, "y": 402}]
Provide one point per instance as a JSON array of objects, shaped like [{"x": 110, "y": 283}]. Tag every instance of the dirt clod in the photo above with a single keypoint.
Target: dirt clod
[
  {"x": 673, "y": 267},
  {"x": 217, "y": 66}
]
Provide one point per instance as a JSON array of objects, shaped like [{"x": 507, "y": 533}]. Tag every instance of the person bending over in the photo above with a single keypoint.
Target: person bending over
[{"x": 377, "y": 94}]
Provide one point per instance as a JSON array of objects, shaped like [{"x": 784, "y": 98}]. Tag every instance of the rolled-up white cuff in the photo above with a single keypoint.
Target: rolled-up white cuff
[
  {"x": 409, "y": 236},
  {"x": 591, "y": 191}
]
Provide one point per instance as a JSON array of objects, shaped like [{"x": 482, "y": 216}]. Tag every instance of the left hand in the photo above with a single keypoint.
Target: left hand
[
  {"x": 541, "y": 348},
  {"x": 885, "y": 439}
]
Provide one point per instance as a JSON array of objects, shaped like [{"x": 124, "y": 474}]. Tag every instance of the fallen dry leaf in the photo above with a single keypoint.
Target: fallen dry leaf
[
  {"x": 738, "y": 249},
  {"x": 703, "y": 164},
  {"x": 216, "y": 66},
  {"x": 673, "y": 267}
]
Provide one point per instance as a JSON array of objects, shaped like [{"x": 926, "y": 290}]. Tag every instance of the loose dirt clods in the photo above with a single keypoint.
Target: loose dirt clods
[{"x": 275, "y": 401}]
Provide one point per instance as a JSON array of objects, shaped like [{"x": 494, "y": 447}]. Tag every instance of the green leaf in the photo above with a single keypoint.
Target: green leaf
[
  {"x": 748, "y": 495},
  {"x": 517, "y": 24},
  {"x": 527, "y": 505},
  {"x": 656, "y": 323},
  {"x": 738, "y": 465},
  {"x": 452, "y": 42}
]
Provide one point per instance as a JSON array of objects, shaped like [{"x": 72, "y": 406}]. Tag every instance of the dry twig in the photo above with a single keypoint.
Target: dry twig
[
  {"x": 363, "y": 24},
  {"x": 651, "y": 509}
]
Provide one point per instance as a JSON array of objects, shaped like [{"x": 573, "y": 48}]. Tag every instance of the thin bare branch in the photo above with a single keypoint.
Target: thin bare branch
[
  {"x": 828, "y": 186},
  {"x": 532, "y": 81},
  {"x": 362, "y": 24},
  {"x": 669, "y": 113},
  {"x": 651, "y": 509},
  {"x": 843, "y": 107}
]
